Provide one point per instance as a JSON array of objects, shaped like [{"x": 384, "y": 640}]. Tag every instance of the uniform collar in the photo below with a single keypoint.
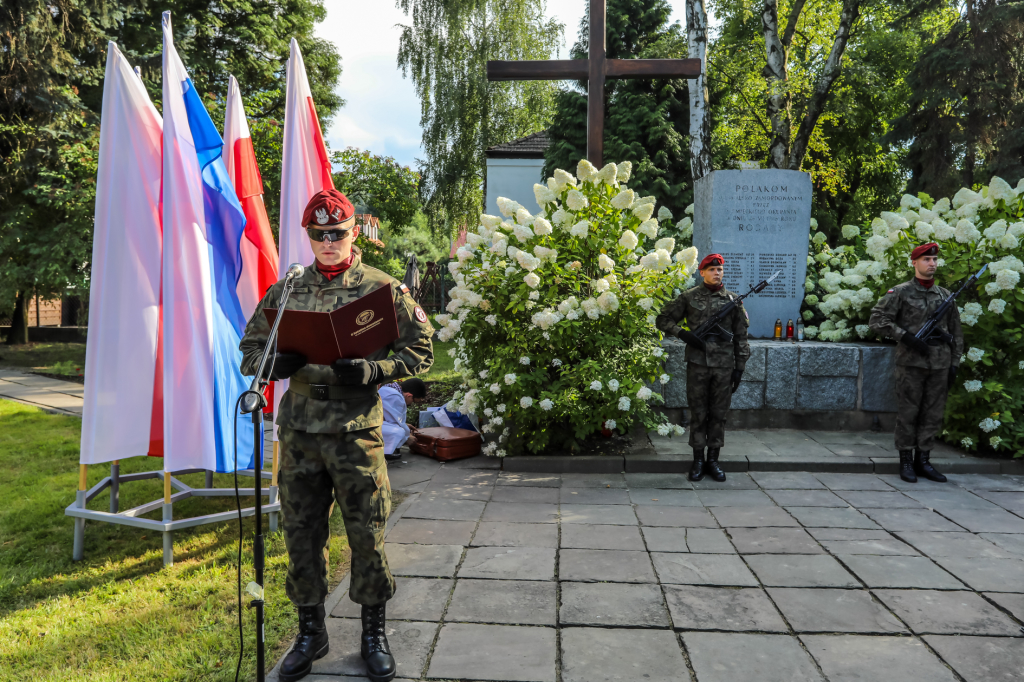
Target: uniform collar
[
  {"x": 918, "y": 287},
  {"x": 349, "y": 279}
]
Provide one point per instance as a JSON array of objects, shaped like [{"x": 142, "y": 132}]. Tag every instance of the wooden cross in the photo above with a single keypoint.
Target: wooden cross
[{"x": 594, "y": 70}]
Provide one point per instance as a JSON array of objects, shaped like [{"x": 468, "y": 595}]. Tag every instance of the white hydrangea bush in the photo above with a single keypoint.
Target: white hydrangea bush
[
  {"x": 553, "y": 313},
  {"x": 975, "y": 227}
]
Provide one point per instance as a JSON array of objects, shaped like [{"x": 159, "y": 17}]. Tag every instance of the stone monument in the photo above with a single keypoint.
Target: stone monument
[{"x": 760, "y": 221}]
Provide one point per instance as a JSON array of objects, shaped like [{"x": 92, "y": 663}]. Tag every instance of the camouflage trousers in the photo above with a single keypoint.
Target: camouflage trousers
[
  {"x": 921, "y": 402},
  {"x": 318, "y": 469},
  {"x": 708, "y": 394}
]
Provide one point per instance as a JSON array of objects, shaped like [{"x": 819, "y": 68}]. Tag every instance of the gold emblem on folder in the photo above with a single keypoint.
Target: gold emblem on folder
[{"x": 364, "y": 318}]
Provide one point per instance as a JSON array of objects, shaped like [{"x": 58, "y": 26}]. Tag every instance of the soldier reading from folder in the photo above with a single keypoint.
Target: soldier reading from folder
[{"x": 330, "y": 431}]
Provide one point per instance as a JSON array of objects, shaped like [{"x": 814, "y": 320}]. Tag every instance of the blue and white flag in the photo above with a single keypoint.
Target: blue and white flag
[{"x": 203, "y": 322}]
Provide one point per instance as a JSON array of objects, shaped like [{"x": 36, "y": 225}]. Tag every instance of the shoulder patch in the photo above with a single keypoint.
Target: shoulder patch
[
  {"x": 420, "y": 315},
  {"x": 891, "y": 291},
  {"x": 404, "y": 288}
]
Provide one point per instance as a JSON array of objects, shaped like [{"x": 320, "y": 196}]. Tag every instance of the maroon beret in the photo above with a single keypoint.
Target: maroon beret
[
  {"x": 929, "y": 249},
  {"x": 326, "y": 208},
  {"x": 712, "y": 259}
]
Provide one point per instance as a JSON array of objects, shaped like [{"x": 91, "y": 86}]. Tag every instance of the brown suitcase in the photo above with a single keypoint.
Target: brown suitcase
[{"x": 444, "y": 443}]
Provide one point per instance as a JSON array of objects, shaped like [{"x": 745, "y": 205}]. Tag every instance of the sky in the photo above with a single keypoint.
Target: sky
[{"x": 382, "y": 113}]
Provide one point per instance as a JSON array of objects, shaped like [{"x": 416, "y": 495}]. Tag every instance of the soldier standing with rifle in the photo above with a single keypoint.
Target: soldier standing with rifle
[
  {"x": 329, "y": 424},
  {"x": 923, "y": 319},
  {"x": 715, "y": 359}
]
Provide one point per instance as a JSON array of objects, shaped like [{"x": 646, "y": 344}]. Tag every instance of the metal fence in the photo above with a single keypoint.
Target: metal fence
[
  {"x": 434, "y": 285},
  {"x": 68, "y": 311}
]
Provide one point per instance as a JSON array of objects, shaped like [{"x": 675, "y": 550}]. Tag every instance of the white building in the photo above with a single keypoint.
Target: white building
[{"x": 512, "y": 170}]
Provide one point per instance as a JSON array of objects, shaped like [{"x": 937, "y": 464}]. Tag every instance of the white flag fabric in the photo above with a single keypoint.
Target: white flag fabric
[
  {"x": 305, "y": 170},
  {"x": 124, "y": 295}
]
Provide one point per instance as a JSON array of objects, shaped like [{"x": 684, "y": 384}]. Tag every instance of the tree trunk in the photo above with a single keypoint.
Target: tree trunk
[
  {"x": 700, "y": 114},
  {"x": 778, "y": 85},
  {"x": 829, "y": 74},
  {"x": 19, "y": 321}
]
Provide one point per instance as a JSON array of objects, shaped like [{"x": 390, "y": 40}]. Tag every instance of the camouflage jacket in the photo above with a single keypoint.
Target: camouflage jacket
[
  {"x": 905, "y": 308},
  {"x": 698, "y": 304},
  {"x": 413, "y": 351}
]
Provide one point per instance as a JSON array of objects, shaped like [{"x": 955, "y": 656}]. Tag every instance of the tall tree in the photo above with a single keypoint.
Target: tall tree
[
  {"x": 966, "y": 117},
  {"x": 700, "y": 112},
  {"x": 646, "y": 120},
  {"x": 445, "y": 51}
]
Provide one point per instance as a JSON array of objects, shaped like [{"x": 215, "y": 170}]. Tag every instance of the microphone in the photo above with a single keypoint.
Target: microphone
[{"x": 295, "y": 270}]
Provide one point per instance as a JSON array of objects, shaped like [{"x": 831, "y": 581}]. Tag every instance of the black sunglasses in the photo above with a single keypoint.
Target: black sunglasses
[{"x": 327, "y": 235}]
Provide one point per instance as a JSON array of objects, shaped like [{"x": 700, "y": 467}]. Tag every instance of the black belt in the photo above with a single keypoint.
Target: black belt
[{"x": 328, "y": 392}]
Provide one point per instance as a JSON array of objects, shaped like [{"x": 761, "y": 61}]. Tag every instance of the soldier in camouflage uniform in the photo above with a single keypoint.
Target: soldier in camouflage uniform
[
  {"x": 329, "y": 425},
  {"x": 714, "y": 365},
  {"x": 924, "y": 371}
]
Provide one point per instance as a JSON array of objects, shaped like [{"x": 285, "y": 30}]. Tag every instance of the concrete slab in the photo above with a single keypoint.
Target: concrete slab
[
  {"x": 888, "y": 547},
  {"x": 410, "y": 643},
  {"x": 464, "y": 476},
  {"x": 584, "y": 536},
  {"x": 987, "y": 482},
  {"x": 949, "y": 498},
  {"x": 611, "y": 604},
  {"x": 613, "y": 655},
  {"x": 505, "y": 602},
  {"x": 494, "y": 652},
  {"x": 848, "y": 534},
  {"x": 786, "y": 480},
  {"x": 831, "y": 517},
  {"x": 669, "y": 539},
  {"x": 828, "y": 610},
  {"x": 445, "y": 509},
  {"x": 513, "y": 512},
  {"x": 431, "y": 532},
  {"x": 457, "y": 491},
  {"x": 706, "y": 541},
  {"x": 676, "y": 481},
  {"x": 420, "y": 599},
  {"x": 948, "y": 613},
  {"x": 509, "y": 563},
  {"x": 911, "y": 519},
  {"x": 748, "y": 517},
  {"x": 794, "y": 570},
  {"x": 953, "y": 545},
  {"x": 859, "y": 658},
  {"x": 879, "y": 500},
  {"x": 1011, "y": 543},
  {"x": 807, "y": 498},
  {"x": 702, "y": 569},
  {"x": 690, "y": 517},
  {"x": 598, "y": 514},
  {"x": 1014, "y": 603},
  {"x": 900, "y": 571},
  {"x": 734, "y": 498},
  {"x": 504, "y": 534},
  {"x": 988, "y": 575},
  {"x": 593, "y": 481},
  {"x": 853, "y": 482},
  {"x": 721, "y": 657},
  {"x": 994, "y": 520},
  {"x": 660, "y": 498},
  {"x": 599, "y": 565},
  {"x": 1013, "y": 502},
  {"x": 593, "y": 496},
  {"x": 774, "y": 541},
  {"x": 530, "y": 480},
  {"x": 737, "y": 481},
  {"x": 524, "y": 494},
  {"x": 722, "y": 608},
  {"x": 981, "y": 659},
  {"x": 428, "y": 561}
]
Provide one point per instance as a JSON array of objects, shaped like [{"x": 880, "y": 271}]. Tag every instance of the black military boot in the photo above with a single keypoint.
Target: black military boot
[
  {"x": 380, "y": 664},
  {"x": 923, "y": 467},
  {"x": 907, "y": 466},
  {"x": 713, "y": 469},
  {"x": 697, "y": 470},
  {"x": 310, "y": 644}
]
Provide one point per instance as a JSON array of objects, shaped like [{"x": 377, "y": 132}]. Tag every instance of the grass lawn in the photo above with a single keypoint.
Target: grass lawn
[
  {"x": 50, "y": 358},
  {"x": 118, "y": 615},
  {"x": 443, "y": 368}
]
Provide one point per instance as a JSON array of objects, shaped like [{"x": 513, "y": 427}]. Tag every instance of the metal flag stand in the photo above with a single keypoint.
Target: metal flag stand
[{"x": 132, "y": 517}]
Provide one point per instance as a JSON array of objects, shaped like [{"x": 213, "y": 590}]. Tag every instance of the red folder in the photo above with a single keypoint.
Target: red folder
[{"x": 355, "y": 330}]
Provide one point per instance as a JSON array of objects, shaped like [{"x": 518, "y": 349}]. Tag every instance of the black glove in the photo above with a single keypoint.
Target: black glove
[
  {"x": 737, "y": 376},
  {"x": 356, "y": 372},
  {"x": 284, "y": 365},
  {"x": 913, "y": 343},
  {"x": 952, "y": 378},
  {"x": 692, "y": 339}
]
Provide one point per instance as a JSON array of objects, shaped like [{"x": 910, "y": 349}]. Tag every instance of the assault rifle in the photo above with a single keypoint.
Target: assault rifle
[
  {"x": 713, "y": 327},
  {"x": 929, "y": 331}
]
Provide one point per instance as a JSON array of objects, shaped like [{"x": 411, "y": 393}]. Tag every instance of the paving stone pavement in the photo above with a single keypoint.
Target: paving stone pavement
[
  {"x": 52, "y": 395},
  {"x": 788, "y": 576}
]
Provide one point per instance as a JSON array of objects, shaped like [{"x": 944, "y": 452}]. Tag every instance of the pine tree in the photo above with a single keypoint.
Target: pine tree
[{"x": 646, "y": 120}]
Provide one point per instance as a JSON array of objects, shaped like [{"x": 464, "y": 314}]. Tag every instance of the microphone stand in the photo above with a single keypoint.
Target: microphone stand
[{"x": 253, "y": 402}]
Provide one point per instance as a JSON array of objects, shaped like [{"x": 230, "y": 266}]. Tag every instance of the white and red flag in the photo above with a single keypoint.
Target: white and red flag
[
  {"x": 305, "y": 170},
  {"x": 259, "y": 253},
  {"x": 124, "y": 294}
]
